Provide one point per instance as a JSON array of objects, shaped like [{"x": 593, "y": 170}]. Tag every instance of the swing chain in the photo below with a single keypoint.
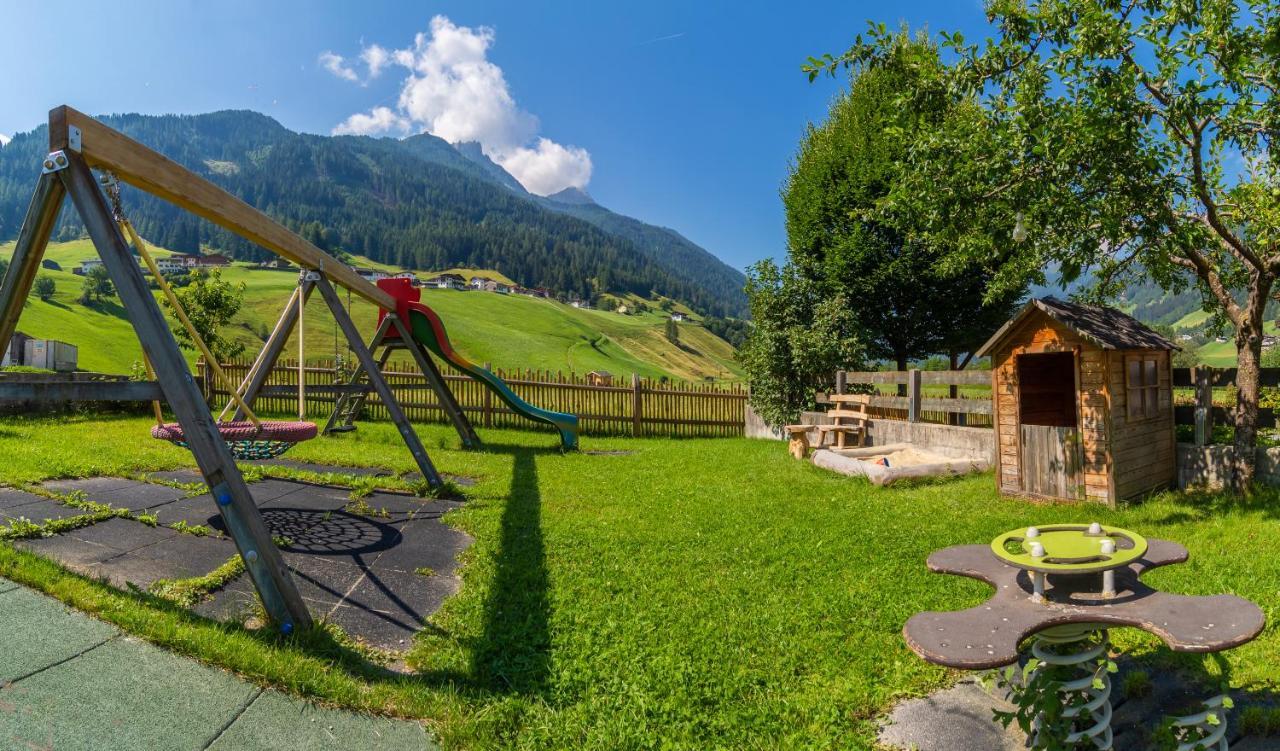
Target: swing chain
[{"x": 111, "y": 184}]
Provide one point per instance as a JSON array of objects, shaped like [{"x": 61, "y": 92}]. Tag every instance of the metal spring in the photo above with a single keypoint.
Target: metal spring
[
  {"x": 1097, "y": 710},
  {"x": 1206, "y": 735}
]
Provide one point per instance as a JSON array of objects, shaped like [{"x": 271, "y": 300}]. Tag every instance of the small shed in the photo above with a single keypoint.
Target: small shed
[
  {"x": 600, "y": 378},
  {"x": 1083, "y": 404}
]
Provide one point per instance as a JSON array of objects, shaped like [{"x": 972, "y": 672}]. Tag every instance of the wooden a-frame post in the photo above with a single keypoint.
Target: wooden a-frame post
[{"x": 240, "y": 514}]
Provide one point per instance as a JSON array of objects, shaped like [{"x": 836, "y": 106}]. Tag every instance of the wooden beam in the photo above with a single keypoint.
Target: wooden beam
[
  {"x": 145, "y": 169},
  {"x": 266, "y": 362},
  {"x": 80, "y": 391},
  {"x": 448, "y": 402},
  {"x": 244, "y": 523},
  {"x": 374, "y": 373},
  {"x": 42, "y": 214}
]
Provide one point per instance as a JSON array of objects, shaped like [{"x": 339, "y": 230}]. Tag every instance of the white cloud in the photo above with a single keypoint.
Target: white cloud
[
  {"x": 378, "y": 120},
  {"x": 337, "y": 65},
  {"x": 4, "y": 140},
  {"x": 453, "y": 91},
  {"x": 376, "y": 58}
]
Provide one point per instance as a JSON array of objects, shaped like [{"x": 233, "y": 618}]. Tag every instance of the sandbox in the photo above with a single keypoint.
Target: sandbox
[{"x": 884, "y": 465}]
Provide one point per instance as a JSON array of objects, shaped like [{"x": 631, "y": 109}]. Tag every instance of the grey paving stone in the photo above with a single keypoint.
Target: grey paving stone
[
  {"x": 41, "y": 511},
  {"x": 178, "y": 557},
  {"x": 395, "y": 508},
  {"x": 123, "y": 695},
  {"x": 11, "y": 498},
  {"x": 88, "y": 485},
  {"x": 75, "y": 554},
  {"x": 322, "y": 583},
  {"x": 425, "y": 542},
  {"x": 312, "y": 498},
  {"x": 40, "y": 631},
  {"x": 275, "y": 722},
  {"x": 123, "y": 535},
  {"x": 955, "y": 718},
  {"x": 179, "y": 475},
  {"x": 233, "y": 603},
  {"x": 271, "y": 489},
  {"x": 198, "y": 510},
  {"x": 7, "y": 586},
  {"x": 387, "y": 608},
  {"x": 138, "y": 496}
]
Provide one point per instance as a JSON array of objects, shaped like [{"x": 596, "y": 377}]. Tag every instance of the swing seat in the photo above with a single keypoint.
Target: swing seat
[{"x": 246, "y": 440}]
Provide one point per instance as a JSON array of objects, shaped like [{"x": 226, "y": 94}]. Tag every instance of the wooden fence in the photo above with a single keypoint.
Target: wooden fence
[
  {"x": 642, "y": 407},
  {"x": 945, "y": 397},
  {"x": 1203, "y": 407}
]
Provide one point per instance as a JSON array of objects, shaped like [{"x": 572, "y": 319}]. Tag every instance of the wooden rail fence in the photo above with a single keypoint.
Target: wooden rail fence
[
  {"x": 643, "y": 407},
  {"x": 1201, "y": 410},
  {"x": 919, "y": 397}
]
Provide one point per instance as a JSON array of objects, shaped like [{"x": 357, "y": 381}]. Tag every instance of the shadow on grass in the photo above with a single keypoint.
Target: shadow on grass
[{"x": 1201, "y": 505}]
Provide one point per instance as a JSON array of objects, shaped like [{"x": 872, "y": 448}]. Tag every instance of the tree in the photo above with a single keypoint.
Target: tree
[
  {"x": 44, "y": 288},
  {"x": 799, "y": 338},
  {"x": 97, "y": 286},
  {"x": 1110, "y": 138},
  {"x": 907, "y": 303},
  {"x": 210, "y": 303},
  {"x": 673, "y": 331}
]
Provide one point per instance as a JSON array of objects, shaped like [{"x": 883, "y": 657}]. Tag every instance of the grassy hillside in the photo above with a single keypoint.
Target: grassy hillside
[{"x": 508, "y": 331}]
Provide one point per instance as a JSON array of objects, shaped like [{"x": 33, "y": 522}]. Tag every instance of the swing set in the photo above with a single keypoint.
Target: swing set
[{"x": 79, "y": 144}]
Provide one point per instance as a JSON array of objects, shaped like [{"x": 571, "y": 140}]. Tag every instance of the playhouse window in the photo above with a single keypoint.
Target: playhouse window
[
  {"x": 1142, "y": 388},
  {"x": 1047, "y": 389}
]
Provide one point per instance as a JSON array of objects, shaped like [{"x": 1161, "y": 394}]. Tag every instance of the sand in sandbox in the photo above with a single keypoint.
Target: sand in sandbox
[{"x": 907, "y": 457}]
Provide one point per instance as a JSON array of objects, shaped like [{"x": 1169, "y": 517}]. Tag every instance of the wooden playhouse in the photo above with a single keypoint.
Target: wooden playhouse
[{"x": 1083, "y": 404}]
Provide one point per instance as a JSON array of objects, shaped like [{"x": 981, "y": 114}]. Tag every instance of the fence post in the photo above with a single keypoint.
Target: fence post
[
  {"x": 913, "y": 393},
  {"x": 842, "y": 381},
  {"x": 488, "y": 402},
  {"x": 635, "y": 405},
  {"x": 1203, "y": 377}
]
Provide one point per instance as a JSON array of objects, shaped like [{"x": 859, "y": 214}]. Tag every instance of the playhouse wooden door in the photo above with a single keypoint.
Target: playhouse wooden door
[
  {"x": 1052, "y": 461},
  {"x": 1048, "y": 425}
]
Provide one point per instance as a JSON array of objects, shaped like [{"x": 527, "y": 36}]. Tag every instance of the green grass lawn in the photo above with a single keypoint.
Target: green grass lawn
[
  {"x": 694, "y": 594},
  {"x": 511, "y": 332}
]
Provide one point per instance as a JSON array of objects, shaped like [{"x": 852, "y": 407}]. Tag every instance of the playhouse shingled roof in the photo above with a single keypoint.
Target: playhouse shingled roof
[{"x": 1106, "y": 327}]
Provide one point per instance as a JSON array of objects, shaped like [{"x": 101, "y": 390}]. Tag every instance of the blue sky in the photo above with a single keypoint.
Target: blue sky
[{"x": 687, "y": 112}]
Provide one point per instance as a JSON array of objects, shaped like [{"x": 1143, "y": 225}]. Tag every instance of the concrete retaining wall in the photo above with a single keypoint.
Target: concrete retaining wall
[
  {"x": 1209, "y": 466},
  {"x": 948, "y": 440}
]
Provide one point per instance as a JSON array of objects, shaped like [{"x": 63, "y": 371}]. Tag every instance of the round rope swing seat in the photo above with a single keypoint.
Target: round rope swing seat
[{"x": 248, "y": 441}]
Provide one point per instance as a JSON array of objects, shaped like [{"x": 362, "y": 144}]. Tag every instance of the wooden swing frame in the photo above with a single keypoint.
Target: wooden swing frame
[{"x": 78, "y": 144}]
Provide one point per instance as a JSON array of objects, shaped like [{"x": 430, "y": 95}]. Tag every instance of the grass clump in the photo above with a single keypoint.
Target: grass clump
[
  {"x": 195, "y": 530},
  {"x": 188, "y": 592},
  {"x": 1136, "y": 684}
]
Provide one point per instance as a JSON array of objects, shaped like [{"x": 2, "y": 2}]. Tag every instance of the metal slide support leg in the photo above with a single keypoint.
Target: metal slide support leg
[
  {"x": 245, "y": 525},
  {"x": 274, "y": 347},
  {"x": 380, "y": 385},
  {"x": 447, "y": 400},
  {"x": 42, "y": 214}
]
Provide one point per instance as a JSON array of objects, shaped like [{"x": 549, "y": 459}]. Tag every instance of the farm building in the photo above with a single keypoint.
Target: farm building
[
  {"x": 1083, "y": 403},
  {"x": 600, "y": 378}
]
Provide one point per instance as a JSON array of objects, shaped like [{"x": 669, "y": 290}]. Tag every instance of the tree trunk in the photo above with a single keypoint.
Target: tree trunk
[
  {"x": 953, "y": 391},
  {"x": 1248, "y": 385}
]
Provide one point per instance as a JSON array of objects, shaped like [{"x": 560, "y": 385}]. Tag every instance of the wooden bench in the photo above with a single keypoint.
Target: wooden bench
[
  {"x": 849, "y": 418},
  {"x": 798, "y": 443}
]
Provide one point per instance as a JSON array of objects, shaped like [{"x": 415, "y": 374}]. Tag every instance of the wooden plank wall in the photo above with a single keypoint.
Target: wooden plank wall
[
  {"x": 665, "y": 409},
  {"x": 1145, "y": 454}
]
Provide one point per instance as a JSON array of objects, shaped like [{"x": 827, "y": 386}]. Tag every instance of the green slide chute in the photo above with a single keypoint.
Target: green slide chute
[{"x": 428, "y": 330}]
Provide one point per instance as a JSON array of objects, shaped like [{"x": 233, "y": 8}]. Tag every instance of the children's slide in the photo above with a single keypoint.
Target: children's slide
[{"x": 427, "y": 328}]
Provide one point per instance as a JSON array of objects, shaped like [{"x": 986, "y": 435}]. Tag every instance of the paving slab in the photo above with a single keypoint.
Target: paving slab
[
  {"x": 270, "y": 489},
  {"x": 394, "y": 508},
  {"x": 40, "y": 511},
  {"x": 138, "y": 496},
  {"x": 386, "y": 608},
  {"x": 124, "y": 694},
  {"x": 11, "y": 498},
  {"x": 88, "y": 485},
  {"x": 425, "y": 542},
  {"x": 124, "y": 535},
  {"x": 75, "y": 554},
  {"x": 200, "y": 510},
  {"x": 185, "y": 476},
  {"x": 326, "y": 468},
  {"x": 275, "y": 722},
  {"x": 178, "y": 557},
  {"x": 323, "y": 583},
  {"x": 40, "y": 632}
]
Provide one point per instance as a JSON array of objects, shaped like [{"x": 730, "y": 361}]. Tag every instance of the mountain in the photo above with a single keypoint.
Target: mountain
[
  {"x": 417, "y": 203},
  {"x": 572, "y": 196}
]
